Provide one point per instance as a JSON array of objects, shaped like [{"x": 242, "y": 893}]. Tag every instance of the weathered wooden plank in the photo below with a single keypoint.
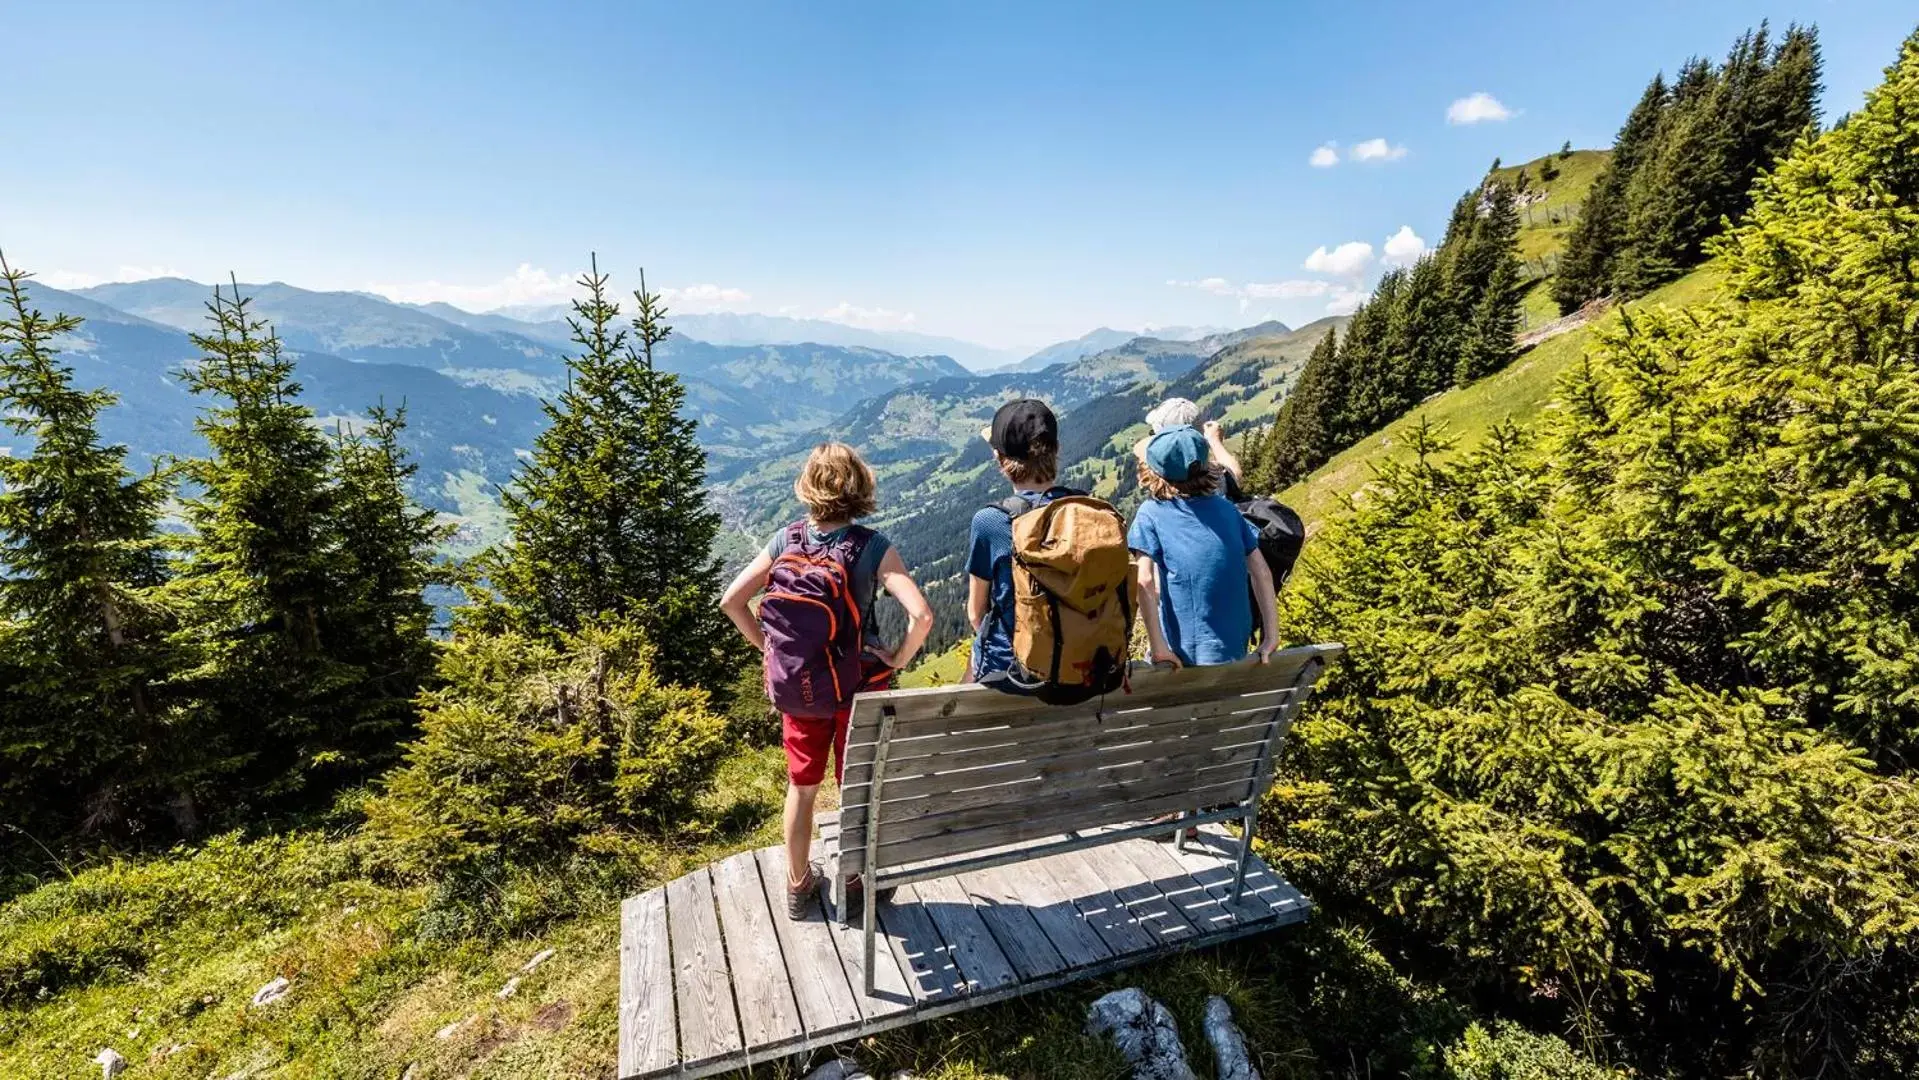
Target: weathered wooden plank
[
  {"x": 1138, "y": 889},
  {"x": 939, "y": 707},
  {"x": 924, "y": 956},
  {"x": 891, "y": 993},
  {"x": 649, "y": 1041},
  {"x": 1012, "y": 922},
  {"x": 1029, "y": 887},
  {"x": 709, "y": 1026},
  {"x": 1088, "y": 768},
  {"x": 899, "y": 844},
  {"x": 1181, "y": 888},
  {"x": 769, "y": 1016},
  {"x": 1042, "y": 735},
  {"x": 944, "y": 811},
  {"x": 982, "y": 962},
  {"x": 826, "y": 1001},
  {"x": 1210, "y": 860},
  {"x": 1105, "y": 913}
]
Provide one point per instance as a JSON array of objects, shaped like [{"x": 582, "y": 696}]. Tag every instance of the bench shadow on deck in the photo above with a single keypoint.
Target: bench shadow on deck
[{"x": 714, "y": 977}]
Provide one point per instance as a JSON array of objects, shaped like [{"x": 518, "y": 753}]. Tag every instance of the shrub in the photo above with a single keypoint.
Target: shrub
[
  {"x": 750, "y": 715},
  {"x": 1510, "y": 1052},
  {"x": 1627, "y": 729},
  {"x": 533, "y": 750}
]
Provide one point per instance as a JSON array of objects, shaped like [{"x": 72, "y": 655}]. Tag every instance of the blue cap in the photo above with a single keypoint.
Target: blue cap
[{"x": 1178, "y": 453}]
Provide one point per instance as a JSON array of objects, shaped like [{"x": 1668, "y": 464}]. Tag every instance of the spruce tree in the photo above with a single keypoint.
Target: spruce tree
[
  {"x": 81, "y": 564},
  {"x": 386, "y": 547},
  {"x": 1668, "y": 199},
  {"x": 1586, "y": 269},
  {"x": 1430, "y": 331},
  {"x": 261, "y": 568},
  {"x": 1485, "y": 286},
  {"x": 1301, "y": 438},
  {"x": 609, "y": 519}
]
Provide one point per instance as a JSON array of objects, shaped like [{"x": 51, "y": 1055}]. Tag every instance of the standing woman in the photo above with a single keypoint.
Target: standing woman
[{"x": 819, "y": 577}]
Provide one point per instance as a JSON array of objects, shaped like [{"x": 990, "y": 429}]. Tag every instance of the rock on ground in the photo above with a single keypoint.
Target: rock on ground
[
  {"x": 1231, "y": 1062},
  {"x": 110, "y": 1062},
  {"x": 838, "y": 1069},
  {"x": 1145, "y": 1033},
  {"x": 271, "y": 992}
]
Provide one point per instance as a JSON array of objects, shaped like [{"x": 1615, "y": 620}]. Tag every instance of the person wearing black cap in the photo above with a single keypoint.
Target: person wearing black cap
[{"x": 1024, "y": 436}]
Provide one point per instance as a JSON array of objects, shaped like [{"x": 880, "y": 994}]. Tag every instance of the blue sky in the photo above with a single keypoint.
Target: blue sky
[{"x": 1009, "y": 173}]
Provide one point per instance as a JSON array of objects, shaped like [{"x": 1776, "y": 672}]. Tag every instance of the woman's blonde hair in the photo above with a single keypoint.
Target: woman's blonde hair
[
  {"x": 836, "y": 484},
  {"x": 1158, "y": 487}
]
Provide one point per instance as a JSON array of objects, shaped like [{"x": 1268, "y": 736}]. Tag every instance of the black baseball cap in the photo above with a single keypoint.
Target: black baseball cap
[{"x": 1021, "y": 427}]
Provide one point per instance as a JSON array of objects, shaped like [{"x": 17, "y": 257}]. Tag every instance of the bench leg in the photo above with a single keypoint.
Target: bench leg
[
  {"x": 1246, "y": 826},
  {"x": 871, "y": 918},
  {"x": 839, "y": 892}
]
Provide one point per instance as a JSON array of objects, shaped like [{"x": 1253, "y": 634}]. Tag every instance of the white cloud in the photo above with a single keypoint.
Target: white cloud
[
  {"x": 533, "y": 285},
  {"x": 1477, "y": 108},
  {"x": 1325, "y": 157},
  {"x": 869, "y": 318},
  {"x": 1218, "y": 286},
  {"x": 528, "y": 284},
  {"x": 1349, "y": 259},
  {"x": 1377, "y": 150},
  {"x": 1344, "y": 299},
  {"x": 705, "y": 298},
  {"x": 1293, "y": 289},
  {"x": 1402, "y": 248},
  {"x": 1290, "y": 289},
  {"x": 80, "y": 279}
]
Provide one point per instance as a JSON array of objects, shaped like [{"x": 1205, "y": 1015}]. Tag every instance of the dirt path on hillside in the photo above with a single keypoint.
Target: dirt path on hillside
[{"x": 1563, "y": 324}]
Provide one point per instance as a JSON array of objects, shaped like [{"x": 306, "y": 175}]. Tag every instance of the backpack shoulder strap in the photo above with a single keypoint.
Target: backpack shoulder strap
[
  {"x": 796, "y": 535},
  {"x": 853, "y": 544},
  {"x": 1013, "y": 506}
]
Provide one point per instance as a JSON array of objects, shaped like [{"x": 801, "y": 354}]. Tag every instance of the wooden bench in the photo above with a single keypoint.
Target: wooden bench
[
  {"x": 947, "y": 781},
  {"x": 980, "y": 804}
]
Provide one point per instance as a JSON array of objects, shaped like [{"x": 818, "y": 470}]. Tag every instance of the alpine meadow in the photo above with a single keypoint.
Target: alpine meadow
[{"x": 361, "y": 650}]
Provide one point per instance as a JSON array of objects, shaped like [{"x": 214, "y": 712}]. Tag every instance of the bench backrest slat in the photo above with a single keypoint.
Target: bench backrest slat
[{"x": 967, "y": 769}]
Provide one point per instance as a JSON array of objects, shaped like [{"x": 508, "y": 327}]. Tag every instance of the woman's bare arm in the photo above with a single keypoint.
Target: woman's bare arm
[
  {"x": 919, "y": 614},
  {"x": 735, "y": 601}
]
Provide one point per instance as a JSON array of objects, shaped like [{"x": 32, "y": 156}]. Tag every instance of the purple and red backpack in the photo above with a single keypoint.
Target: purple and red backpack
[{"x": 814, "y": 641}]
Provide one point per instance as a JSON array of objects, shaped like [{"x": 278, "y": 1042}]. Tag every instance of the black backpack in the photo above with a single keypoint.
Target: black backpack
[{"x": 1281, "y": 534}]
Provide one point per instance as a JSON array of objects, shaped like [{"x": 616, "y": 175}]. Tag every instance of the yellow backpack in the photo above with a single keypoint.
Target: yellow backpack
[{"x": 1072, "y": 597}]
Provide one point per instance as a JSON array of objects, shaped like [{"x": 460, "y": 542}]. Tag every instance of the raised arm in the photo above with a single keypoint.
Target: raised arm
[
  {"x": 1266, "y": 593},
  {"x": 919, "y": 614},
  {"x": 1222, "y": 457},
  {"x": 734, "y": 601}
]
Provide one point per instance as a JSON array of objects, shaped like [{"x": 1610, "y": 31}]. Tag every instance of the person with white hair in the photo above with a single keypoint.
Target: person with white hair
[{"x": 1184, "y": 412}]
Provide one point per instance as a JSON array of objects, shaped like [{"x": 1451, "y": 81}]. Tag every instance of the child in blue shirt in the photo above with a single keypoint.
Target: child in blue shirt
[{"x": 1195, "y": 557}]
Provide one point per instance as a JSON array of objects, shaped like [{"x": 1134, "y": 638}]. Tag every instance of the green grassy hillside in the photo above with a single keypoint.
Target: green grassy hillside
[
  {"x": 1466, "y": 413},
  {"x": 1551, "y": 206}
]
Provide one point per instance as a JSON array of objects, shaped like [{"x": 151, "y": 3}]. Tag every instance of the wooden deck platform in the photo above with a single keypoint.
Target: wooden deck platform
[{"x": 714, "y": 977}]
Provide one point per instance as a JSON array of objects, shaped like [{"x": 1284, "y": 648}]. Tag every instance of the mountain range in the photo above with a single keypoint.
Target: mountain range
[
  {"x": 547, "y": 322},
  {"x": 1096, "y": 341},
  {"x": 473, "y": 385}
]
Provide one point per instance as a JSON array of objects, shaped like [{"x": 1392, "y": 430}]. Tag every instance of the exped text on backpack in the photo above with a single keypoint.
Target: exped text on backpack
[
  {"x": 812, "y": 624},
  {"x": 1072, "y": 597}
]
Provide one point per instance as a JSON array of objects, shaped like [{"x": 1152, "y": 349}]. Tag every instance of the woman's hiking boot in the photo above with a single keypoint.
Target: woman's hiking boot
[{"x": 799, "y": 896}]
